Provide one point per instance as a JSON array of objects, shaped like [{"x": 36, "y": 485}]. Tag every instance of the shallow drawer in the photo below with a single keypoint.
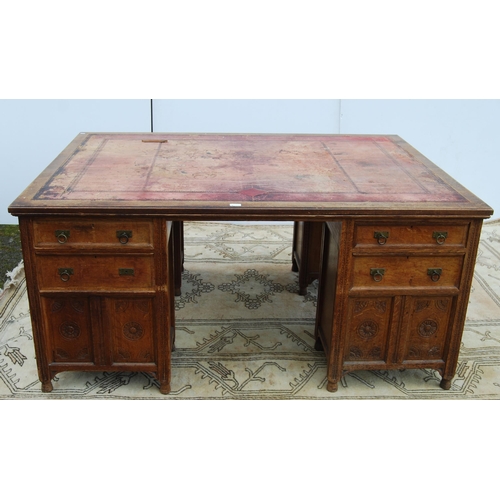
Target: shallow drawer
[
  {"x": 402, "y": 272},
  {"x": 82, "y": 232},
  {"x": 437, "y": 235},
  {"x": 95, "y": 272}
]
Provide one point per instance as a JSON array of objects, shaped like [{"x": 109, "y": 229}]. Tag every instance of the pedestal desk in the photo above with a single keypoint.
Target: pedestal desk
[{"x": 399, "y": 244}]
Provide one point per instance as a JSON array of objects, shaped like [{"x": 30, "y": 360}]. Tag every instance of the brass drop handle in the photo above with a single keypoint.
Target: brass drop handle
[
  {"x": 62, "y": 236},
  {"x": 381, "y": 237},
  {"x": 123, "y": 236},
  {"x": 440, "y": 236},
  {"x": 65, "y": 273},
  {"x": 434, "y": 273},
  {"x": 377, "y": 274}
]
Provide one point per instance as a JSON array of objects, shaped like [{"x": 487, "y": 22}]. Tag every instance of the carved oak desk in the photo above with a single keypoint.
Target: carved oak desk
[{"x": 399, "y": 244}]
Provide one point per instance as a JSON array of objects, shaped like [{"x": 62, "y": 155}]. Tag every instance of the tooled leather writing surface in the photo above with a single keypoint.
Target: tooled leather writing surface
[{"x": 125, "y": 167}]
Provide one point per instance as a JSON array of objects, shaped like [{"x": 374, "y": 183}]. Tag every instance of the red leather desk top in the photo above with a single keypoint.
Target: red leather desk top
[{"x": 239, "y": 176}]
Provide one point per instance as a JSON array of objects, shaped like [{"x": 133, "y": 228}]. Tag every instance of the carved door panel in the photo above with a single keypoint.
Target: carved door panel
[
  {"x": 68, "y": 324},
  {"x": 129, "y": 330},
  {"x": 427, "y": 328},
  {"x": 368, "y": 330}
]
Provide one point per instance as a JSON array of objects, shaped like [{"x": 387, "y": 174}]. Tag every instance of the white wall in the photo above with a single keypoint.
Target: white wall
[
  {"x": 34, "y": 132},
  {"x": 460, "y": 136},
  {"x": 279, "y": 116}
]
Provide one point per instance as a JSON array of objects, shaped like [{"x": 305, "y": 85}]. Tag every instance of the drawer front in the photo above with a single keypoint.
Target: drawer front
[
  {"x": 76, "y": 272},
  {"x": 61, "y": 233},
  {"x": 416, "y": 235},
  {"x": 403, "y": 272}
]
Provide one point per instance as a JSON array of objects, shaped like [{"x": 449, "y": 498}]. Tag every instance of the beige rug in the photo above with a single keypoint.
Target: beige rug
[{"x": 243, "y": 332}]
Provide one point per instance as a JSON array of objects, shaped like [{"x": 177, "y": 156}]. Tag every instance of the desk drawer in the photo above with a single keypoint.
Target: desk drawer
[
  {"x": 407, "y": 271},
  {"x": 436, "y": 235},
  {"x": 105, "y": 273},
  {"x": 64, "y": 233}
]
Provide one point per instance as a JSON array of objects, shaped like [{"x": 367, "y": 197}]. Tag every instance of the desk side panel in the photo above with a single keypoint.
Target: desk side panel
[{"x": 328, "y": 283}]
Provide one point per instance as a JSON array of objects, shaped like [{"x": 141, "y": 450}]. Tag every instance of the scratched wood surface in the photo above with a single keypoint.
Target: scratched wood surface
[{"x": 272, "y": 171}]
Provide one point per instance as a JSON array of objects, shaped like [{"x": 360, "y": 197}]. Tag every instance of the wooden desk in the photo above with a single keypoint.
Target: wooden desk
[{"x": 398, "y": 249}]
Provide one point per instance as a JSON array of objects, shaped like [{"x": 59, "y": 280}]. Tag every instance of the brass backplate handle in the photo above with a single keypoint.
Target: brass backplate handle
[
  {"x": 434, "y": 273},
  {"x": 381, "y": 237},
  {"x": 65, "y": 273},
  {"x": 377, "y": 274},
  {"x": 440, "y": 236},
  {"x": 123, "y": 236},
  {"x": 62, "y": 235}
]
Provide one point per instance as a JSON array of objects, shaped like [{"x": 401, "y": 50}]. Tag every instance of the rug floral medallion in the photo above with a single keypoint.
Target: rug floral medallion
[{"x": 243, "y": 332}]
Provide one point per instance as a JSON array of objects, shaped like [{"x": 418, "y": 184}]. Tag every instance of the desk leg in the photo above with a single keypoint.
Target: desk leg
[
  {"x": 332, "y": 386},
  {"x": 332, "y": 304},
  {"x": 47, "y": 386},
  {"x": 178, "y": 232},
  {"x": 306, "y": 252},
  {"x": 166, "y": 300},
  {"x": 295, "y": 245},
  {"x": 446, "y": 383},
  {"x": 37, "y": 320},
  {"x": 165, "y": 387}
]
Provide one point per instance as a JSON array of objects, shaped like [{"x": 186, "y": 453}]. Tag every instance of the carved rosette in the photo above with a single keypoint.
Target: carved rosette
[
  {"x": 367, "y": 329},
  {"x": 427, "y": 328},
  {"x": 133, "y": 331},
  {"x": 69, "y": 330}
]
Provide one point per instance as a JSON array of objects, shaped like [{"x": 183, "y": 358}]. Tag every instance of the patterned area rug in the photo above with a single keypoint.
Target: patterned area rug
[{"x": 243, "y": 332}]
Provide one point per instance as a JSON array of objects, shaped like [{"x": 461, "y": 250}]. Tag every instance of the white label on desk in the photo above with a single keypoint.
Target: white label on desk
[{"x": 235, "y": 204}]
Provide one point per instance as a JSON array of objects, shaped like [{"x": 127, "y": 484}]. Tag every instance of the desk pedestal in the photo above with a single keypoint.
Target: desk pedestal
[
  {"x": 101, "y": 295},
  {"x": 394, "y": 301}
]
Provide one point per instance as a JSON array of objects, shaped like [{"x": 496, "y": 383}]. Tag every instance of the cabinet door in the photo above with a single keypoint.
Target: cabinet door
[
  {"x": 128, "y": 329},
  {"x": 69, "y": 328},
  {"x": 428, "y": 328},
  {"x": 368, "y": 330}
]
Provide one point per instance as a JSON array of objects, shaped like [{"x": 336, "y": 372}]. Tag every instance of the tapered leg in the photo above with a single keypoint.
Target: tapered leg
[
  {"x": 47, "y": 386},
  {"x": 165, "y": 387},
  {"x": 332, "y": 386},
  {"x": 446, "y": 383}
]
